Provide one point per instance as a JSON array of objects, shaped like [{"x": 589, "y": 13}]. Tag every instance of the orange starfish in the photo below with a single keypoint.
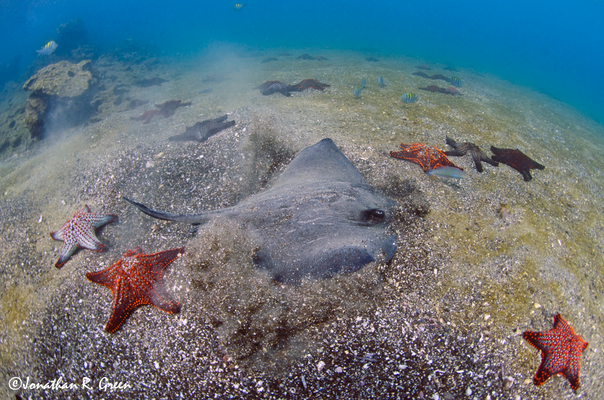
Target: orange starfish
[
  {"x": 429, "y": 157},
  {"x": 135, "y": 280},
  {"x": 560, "y": 352}
]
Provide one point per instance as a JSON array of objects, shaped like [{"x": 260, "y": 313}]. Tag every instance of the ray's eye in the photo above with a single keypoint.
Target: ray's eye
[{"x": 373, "y": 216}]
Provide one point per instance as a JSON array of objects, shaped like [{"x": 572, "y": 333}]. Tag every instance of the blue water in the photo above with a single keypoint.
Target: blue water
[{"x": 552, "y": 46}]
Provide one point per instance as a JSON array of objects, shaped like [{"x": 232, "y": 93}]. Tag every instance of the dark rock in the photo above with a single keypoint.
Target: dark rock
[
  {"x": 71, "y": 36},
  {"x": 37, "y": 105}
]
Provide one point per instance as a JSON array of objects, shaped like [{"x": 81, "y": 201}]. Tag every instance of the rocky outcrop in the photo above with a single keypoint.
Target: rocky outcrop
[
  {"x": 61, "y": 92},
  {"x": 62, "y": 79}
]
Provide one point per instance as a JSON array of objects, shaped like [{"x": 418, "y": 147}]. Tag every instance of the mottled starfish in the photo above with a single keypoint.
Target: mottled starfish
[
  {"x": 428, "y": 157},
  {"x": 79, "y": 231},
  {"x": 477, "y": 154},
  {"x": 433, "y": 88},
  {"x": 270, "y": 87},
  {"x": 517, "y": 160},
  {"x": 560, "y": 352},
  {"x": 166, "y": 109},
  {"x": 308, "y": 84},
  {"x": 135, "y": 280}
]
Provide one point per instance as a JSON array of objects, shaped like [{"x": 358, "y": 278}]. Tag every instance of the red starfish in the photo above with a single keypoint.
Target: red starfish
[
  {"x": 135, "y": 280},
  {"x": 79, "y": 232},
  {"x": 429, "y": 157},
  {"x": 561, "y": 352}
]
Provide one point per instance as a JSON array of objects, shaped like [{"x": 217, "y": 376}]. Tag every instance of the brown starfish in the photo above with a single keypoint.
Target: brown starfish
[
  {"x": 436, "y": 76},
  {"x": 270, "y": 87},
  {"x": 421, "y": 73},
  {"x": 308, "y": 84},
  {"x": 517, "y": 160},
  {"x": 201, "y": 131},
  {"x": 477, "y": 154},
  {"x": 166, "y": 109},
  {"x": 135, "y": 280},
  {"x": 434, "y": 88},
  {"x": 305, "y": 56}
]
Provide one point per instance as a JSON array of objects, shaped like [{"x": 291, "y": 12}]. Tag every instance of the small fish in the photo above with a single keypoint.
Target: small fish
[
  {"x": 206, "y": 90},
  {"x": 448, "y": 172},
  {"x": 48, "y": 48},
  {"x": 408, "y": 98},
  {"x": 363, "y": 83},
  {"x": 357, "y": 92},
  {"x": 238, "y": 6},
  {"x": 455, "y": 81},
  {"x": 380, "y": 81},
  {"x": 366, "y": 358}
]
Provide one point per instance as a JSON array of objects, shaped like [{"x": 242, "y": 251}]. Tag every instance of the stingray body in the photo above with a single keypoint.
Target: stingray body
[{"x": 320, "y": 218}]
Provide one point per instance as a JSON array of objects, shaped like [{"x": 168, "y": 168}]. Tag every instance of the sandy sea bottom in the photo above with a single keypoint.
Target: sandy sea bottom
[{"x": 479, "y": 260}]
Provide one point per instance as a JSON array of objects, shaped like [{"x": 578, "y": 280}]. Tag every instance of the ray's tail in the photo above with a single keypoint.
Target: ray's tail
[{"x": 189, "y": 218}]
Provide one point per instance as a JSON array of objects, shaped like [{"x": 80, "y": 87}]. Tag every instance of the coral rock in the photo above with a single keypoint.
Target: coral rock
[
  {"x": 62, "y": 79},
  {"x": 60, "y": 93}
]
